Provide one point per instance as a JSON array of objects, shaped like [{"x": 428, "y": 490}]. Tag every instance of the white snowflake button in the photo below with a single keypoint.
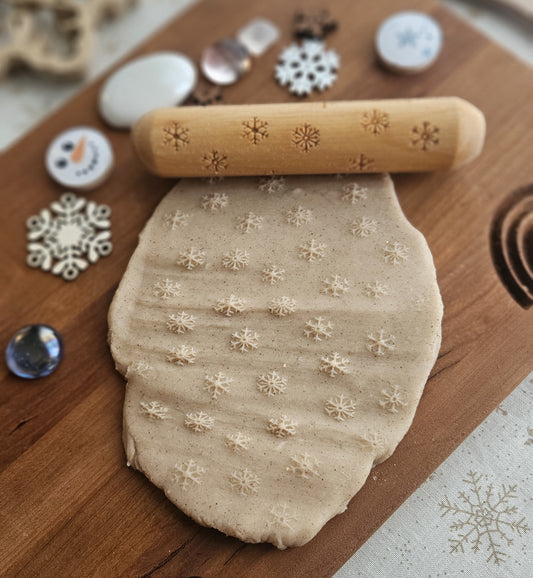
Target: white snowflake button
[
  {"x": 80, "y": 158},
  {"x": 408, "y": 42}
]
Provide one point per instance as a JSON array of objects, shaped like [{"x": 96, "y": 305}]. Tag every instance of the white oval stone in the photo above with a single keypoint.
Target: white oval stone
[
  {"x": 153, "y": 81},
  {"x": 408, "y": 42}
]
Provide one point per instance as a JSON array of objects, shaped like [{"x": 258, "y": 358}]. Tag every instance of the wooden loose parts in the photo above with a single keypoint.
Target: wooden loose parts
[{"x": 408, "y": 135}]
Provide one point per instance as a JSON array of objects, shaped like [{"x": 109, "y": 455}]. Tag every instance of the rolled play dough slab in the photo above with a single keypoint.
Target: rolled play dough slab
[{"x": 276, "y": 336}]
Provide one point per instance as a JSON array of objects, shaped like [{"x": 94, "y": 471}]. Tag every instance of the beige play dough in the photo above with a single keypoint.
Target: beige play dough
[{"x": 276, "y": 335}]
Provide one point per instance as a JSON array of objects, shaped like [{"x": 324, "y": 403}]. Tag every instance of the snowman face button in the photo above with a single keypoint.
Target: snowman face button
[{"x": 80, "y": 158}]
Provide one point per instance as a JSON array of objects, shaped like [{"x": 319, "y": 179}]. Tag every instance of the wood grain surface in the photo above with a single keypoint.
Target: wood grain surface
[{"x": 69, "y": 506}]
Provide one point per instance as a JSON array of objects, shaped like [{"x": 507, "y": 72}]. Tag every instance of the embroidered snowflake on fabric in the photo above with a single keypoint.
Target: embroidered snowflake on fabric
[
  {"x": 380, "y": 343},
  {"x": 392, "y": 400},
  {"x": 335, "y": 287},
  {"x": 214, "y": 202},
  {"x": 364, "y": 227},
  {"x": 238, "y": 442},
  {"x": 376, "y": 290},
  {"x": 375, "y": 122},
  {"x": 140, "y": 367},
  {"x": 244, "y": 340},
  {"x": 271, "y": 383},
  {"x": 236, "y": 259},
  {"x": 229, "y": 306},
  {"x": 166, "y": 289},
  {"x": 282, "y": 516},
  {"x": 273, "y": 274},
  {"x": 354, "y": 192},
  {"x": 484, "y": 519},
  {"x": 255, "y": 130},
  {"x": 395, "y": 253},
  {"x": 250, "y": 222},
  {"x": 333, "y": 364},
  {"x": 199, "y": 421},
  {"x": 340, "y": 407},
  {"x": 67, "y": 243},
  {"x": 305, "y": 137},
  {"x": 318, "y": 328},
  {"x": 272, "y": 185},
  {"x": 217, "y": 384},
  {"x": 153, "y": 410},
  {"x": 188, "y": 474},
  {"x": 182, "y": 355},
  {"x": 282, "y": 427},
  {"x": 306, "y": 67},
  {"x": 312, "y": 251},
  {"x": 191, "y": 258},
  {"x": 180, "y": 322},
  {"x": 244, "y": 482},
  {"x": 304, "y": 465},
  {"x": 282, "y": 306},
  {"x": 299, "y": 216},
  {"x": 176, "y": 219}
]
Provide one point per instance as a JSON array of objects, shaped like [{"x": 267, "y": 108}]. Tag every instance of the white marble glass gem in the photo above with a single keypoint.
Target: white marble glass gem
[{"x": 258, "y": 36}]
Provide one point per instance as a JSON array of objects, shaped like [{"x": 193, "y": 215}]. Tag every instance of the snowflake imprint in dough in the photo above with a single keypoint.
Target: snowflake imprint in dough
[
  {"x": 176, "y": 219},
  {"x": 375, "y": 122},
  {"x": 318, "y": 329},
  {"x": 340, "y": 407},
  {"x": 166, "y": 289},
  {"x": 153, "y": 410},
  {"x": 199, "y": 421},
  {"x": 244, "y": 482},
  {"x": 364, "y": 227},
  {"x": 217, "y": 384},
  {"x": 354, "y": 192},
  {"x": 180, "y": 322},
  {"x": 361, "y": 163},
  {"x": 77, "y": 236},
  {"x": 529, "y": 441},
  {"x": 335, "y": 287},
  {"x": 304, "y": 466},
  {"x": 395, "y": 253},
  {"x": 371, "y": 440},
  {"x": 380, "y": 343},
  {"x": 141, "y": 368},
  {"x": 176, "y": 136},
  {"x": 273, "y": 274},
  {"x": 238, "y": 442},
  {"x": 255, "y": 130},
  {"x": 312, "y": 251},
  {"x": 188, "y": 474},
  {"x": 299, "y": 216},
  {"x": 272, "y": 185},
  {"x": 229, "y": 306},
  {"x": 376, "y": 290},
  {"x": 214, "y": 202},
  {"x": 250, "y": 222},
  {"x": 282, "y": 516},
  {"x": 191, "y": 258},
  {"x": 282, "y": 427},
  {"x": 305, "y": 137},
  {"x": 307, "y": 66},
  {"x": 244, "y": 340},
  {"x": 425, "y": 136},
  {"x": 333, "y": 364},
  {"x": 215, "y": 161},
  {"x": 392, "y": 399},
  {"x": 236, "y": 259},
  {"x": 282, "y": 306},
  {"x": 483, "y": 519},
  {"x": 271, "y": 383},
  {"x": 182, "y": 355}
]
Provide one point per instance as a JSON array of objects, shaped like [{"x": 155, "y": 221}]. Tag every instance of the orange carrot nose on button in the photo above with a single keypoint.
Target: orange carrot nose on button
[{"x": 79, "y": 151}]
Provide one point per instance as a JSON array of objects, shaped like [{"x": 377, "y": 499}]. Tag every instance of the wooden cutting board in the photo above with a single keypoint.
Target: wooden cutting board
[{"x": 69, "y": 506}]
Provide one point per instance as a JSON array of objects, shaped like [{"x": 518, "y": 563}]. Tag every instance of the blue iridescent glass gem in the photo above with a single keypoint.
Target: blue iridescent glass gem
[{"x": 34, "y": 351}]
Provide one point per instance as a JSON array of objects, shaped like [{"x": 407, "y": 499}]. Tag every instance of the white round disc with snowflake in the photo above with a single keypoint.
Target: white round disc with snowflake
[{"x": 276, "y": 337}]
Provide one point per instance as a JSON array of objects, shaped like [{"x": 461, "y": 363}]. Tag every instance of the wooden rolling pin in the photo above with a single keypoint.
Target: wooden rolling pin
[{"x": 408, "y": 135}]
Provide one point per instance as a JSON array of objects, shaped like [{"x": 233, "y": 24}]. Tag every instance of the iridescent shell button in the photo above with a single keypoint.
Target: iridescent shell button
[
  {"x": 225, "y": 61},
  {"x": 34, "y": 351}
]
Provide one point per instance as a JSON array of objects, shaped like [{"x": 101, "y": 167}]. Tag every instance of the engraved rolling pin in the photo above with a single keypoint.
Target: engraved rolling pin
[{"x": 408, "y": 135}]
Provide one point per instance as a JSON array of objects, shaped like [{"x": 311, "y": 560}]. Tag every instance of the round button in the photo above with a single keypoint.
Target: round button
[
  {"x": 408, "y": 42},
  {"x": 225, "y": 61},
  {"x": 81, "y": 158},
  {"x": 34, "y": 351}
]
